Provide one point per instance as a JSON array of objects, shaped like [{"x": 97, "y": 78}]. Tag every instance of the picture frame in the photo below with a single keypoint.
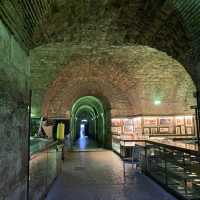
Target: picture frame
[
  {"x": 189, "y": 130},
  {"x": 114, "y": 129},
  {"x": 178, "y": 130},
  {"x": 150, "y": 121},
  {"x": 146, "y": 131},
  {"x": 164, "y": 130},
  {"x": 128, "y": 129},
  {"x": 154, "y": 131},
  {"x": 127, "y": 122},
  {"x": 137, "y": 122},
  {"x": 119, "y": 130},
  {"x": 183, "y": 130},
  {"x": 165, "y": 121},
  {"x": 189, "y": 121},
  {"x": 117, "y": 122},
  {"x": 179, "y": 121}
]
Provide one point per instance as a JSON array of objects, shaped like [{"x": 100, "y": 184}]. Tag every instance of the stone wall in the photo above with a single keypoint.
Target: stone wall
[
  {"x": 131, "y": 78},
  {"x": 14, "y": 96}
]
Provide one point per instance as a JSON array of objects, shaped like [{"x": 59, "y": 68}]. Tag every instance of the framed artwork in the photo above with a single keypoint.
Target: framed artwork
[
  {"x": 127, "y": 122},
  {"x": 137, "y": 122},
  {"x": 150, "y": 121},
  {"x": 178, "y": 130},
  {"x": 154, "y": 131},
  {"x": 179, "y": 121},
  {"x": 117, "y": 122},
  {"x": 183, "y": 130},
  {"x": 114, "y": 129},
  {"x": 189, "y": 130},
  {"x": 188, "y": 121},
  {"x": 146, "y": 131},
  {"x": 128, "y": 129},
  {"x": 165, "y": 121},
  {"x": 164, "y": 130},
  {"x": 119, "y": 130}
]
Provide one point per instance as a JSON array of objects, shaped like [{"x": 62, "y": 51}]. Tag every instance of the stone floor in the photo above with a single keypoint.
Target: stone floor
[
  {"x": 82, "y": 144},
  {"x": 100, "y": 176},
  {"x": 85, "y": 143}
]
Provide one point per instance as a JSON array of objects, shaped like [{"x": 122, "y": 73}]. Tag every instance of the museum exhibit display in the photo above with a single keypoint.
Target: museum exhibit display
[{"x": 99, "y": 99}]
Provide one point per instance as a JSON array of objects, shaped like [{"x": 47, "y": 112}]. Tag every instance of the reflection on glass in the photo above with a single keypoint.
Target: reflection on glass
[{"x": 176, "y": 169}]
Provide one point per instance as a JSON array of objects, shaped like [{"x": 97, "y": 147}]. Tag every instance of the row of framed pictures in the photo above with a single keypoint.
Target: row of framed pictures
[
  {"x": 154, "y": 121},
  {"x": 125, "y": 129},
  {"x": 179, "y": 125},
  {"x": 180, "y": 130},
  {"x": 127, "y": 122},
  {"x": 168, "y": 121}
]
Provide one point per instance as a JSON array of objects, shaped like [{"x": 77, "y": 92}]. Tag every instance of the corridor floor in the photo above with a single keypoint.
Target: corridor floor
[
  {"x": 100, "y": 176},
  {"x": 85, "y": 144}
]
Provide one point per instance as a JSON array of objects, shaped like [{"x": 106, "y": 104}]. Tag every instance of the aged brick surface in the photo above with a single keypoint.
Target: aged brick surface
[
  {"x": 131, "y": 78},
  {"x": 171, "y": 26},
  {"x": 114, "y": 22},
  {"x": 14, "y": 72}
]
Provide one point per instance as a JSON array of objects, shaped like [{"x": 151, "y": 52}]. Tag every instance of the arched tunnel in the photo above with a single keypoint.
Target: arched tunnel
[
  {"x": 88, "y": 113},
  {"x": 86, "y": 85}
]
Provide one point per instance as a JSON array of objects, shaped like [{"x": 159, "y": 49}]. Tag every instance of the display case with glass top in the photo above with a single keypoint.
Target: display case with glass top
[
  {"x": 39, "y": 137},
  {"x": 176, "y": 168},
  {"x": 45, "y": 160}
]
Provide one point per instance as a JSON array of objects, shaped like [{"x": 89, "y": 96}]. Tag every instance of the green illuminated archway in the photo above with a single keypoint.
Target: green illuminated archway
[
  {"x": 92, "y": 109},
  {"x": 85, "y": 112}
]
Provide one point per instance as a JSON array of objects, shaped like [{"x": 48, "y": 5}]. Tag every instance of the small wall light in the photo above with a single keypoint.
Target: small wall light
[
  {"x": 33, "y": 115},
  {"x": 157, "y": 102}
]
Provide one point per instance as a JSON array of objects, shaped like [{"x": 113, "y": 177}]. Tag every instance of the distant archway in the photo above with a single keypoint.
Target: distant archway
[{"x": 89, "y": 110}]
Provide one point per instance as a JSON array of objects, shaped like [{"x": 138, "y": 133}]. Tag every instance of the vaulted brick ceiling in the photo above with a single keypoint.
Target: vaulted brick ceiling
[
  {"x": 59, "y": 33},
  {"x": 130, "y": 79},
  {"x": 172, "y": 26}
]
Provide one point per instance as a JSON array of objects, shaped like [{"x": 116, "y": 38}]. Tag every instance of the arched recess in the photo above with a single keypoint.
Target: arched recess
[
  {"x": 88, "y": 113},
  {"x": 92, "y": 109}
]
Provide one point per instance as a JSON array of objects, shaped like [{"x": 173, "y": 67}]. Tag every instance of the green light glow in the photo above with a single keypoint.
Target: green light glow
[
  {"x": 157, "y": 102},
  {"x": 33, "y": 115},
  {"x": 34, "y": 112}
]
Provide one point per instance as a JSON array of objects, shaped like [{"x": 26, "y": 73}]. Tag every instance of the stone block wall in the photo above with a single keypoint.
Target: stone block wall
[{"x": 14, "y": 99}]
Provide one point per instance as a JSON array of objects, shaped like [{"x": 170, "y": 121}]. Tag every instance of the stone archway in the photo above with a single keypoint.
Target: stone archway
[{"x": 92, "y": 109}]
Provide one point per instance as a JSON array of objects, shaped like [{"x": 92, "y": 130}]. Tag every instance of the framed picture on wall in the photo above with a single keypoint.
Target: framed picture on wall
[
  {"x": 189, "y": 130},
  {"x": 146, "y": 131},
  {"x": 117, "y": 122},
  {"x": 183, "y": 130},
  {"x": 188, "y": 121},
  {"x": 178, "y": 130},
  {"x": 150, "y": 121},
  {"x": 119, "y": 130},
  {"x": 127, "y": 122},
  {"x": 128, "y": 129},
  {"x": 179, "y": 121},
  {"x": 164, "y": 130},
  {"x": 165, "y": 121},
  {"x": 114, "y": 129},
  {"x": 137, "y": 122},
  {"x": 154, "y": 131}
]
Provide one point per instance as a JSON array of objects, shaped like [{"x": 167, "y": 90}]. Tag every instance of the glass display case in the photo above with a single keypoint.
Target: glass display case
[
  {"x": 177, "y": 169},
  {"x": 45, "y": 160},
  {"x": 35, "y": 124},
  {"x": 44, "y": 167},
  {"x": 116, "y": 143}
]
